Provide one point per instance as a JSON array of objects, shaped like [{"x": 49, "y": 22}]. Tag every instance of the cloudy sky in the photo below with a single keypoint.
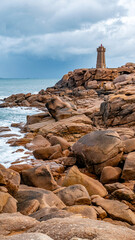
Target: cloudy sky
[{"x": 48, "y": 38}]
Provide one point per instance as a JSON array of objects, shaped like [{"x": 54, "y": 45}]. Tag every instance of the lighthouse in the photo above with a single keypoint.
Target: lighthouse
[{"x": 101, "y": 57}]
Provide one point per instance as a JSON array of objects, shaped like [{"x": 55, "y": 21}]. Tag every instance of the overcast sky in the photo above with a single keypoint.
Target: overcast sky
[{"x": 48, "y": 38}]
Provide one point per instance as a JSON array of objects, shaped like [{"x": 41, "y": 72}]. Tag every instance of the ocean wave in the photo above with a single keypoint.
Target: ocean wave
[
  {"x": 2, "y": 97},
  {"x": 36, "y": 92},
  {"x": 10, "y": 154},
  {"x": 7, "y": 117}
]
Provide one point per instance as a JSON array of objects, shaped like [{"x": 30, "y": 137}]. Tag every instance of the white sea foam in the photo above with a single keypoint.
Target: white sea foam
[
  {"x": 2, "y": 97},
  {"x": 36, "y": 92},
  {"x": 8, "y": 154},
  {"x": 11, "y": 115}
]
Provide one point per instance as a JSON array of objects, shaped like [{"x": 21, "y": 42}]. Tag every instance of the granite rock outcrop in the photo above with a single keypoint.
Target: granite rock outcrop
[{"x": 80, "y": 168}]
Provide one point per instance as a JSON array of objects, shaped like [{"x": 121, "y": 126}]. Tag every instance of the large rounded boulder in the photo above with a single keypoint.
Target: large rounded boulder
[{"x": 99, "y": 149}]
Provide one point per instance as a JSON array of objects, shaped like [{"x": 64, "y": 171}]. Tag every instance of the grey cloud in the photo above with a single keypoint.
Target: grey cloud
[
  {"x": 78, "y": 42},
  {"x": 32, "y": 17},
  {"x": 66, "y": 30}
]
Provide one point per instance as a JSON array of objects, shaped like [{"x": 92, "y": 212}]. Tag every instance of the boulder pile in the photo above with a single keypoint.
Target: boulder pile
[{"x": 81, "y": 182}]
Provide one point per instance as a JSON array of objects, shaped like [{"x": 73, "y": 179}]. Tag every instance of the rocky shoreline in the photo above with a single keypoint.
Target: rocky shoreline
[{"x": 81, "y": 182}]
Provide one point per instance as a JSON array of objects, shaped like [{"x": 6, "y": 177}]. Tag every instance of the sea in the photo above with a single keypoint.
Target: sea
[{"x": 8, "y": 154}]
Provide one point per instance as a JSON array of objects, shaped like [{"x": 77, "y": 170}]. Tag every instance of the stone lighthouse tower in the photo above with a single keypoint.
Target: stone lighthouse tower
[{"x": 101, "y": 57}]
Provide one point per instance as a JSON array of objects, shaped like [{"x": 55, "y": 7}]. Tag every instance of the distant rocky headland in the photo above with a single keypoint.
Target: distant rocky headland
[{"x": 81, "y": 182}]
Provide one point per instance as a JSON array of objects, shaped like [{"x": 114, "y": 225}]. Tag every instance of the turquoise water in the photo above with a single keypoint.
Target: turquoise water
[{"x": 10, "y": 115}]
